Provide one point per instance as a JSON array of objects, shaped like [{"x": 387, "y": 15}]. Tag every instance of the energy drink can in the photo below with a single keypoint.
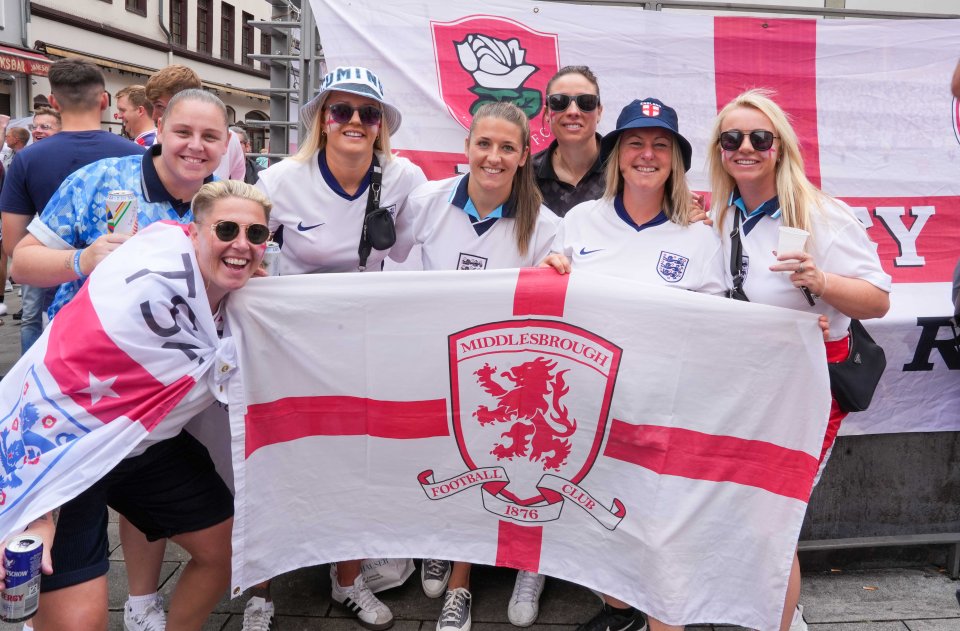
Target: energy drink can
[
  {"x": 122, "y": 210},
  {"x": 20, "y": 598},
  {"x": 271, "y": 259}
]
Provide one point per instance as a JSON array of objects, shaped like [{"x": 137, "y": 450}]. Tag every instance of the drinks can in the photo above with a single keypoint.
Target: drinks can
[
  {"x": 271, "y": 259},
  {"x": 122, "y": 208},
  {"x": 21, "y": 597}
]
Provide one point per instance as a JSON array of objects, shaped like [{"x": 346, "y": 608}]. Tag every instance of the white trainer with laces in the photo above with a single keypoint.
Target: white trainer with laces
[
  {"x": 370, "y": 611},
  {"x": 797, "y": 624},
  {"x": 152, "y": 618},
  {"x": 258, "y": 615},
  {"x": 455, "y": 615},
  {"x": 524, "y": 605},
  {"x": 434, "y": 575}
]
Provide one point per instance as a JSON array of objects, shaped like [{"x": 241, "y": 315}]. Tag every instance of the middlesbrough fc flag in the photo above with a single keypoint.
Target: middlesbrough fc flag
[{"x": 643, "y": 441}]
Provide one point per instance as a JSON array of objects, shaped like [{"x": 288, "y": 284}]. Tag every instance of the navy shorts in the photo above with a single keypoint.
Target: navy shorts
[{"x": 170, "y": 489}]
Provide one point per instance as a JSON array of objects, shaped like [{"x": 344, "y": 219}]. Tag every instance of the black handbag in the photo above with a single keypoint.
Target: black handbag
[
  {"x": 378, "y": 231},
  {"x": 854, "y": 380}
]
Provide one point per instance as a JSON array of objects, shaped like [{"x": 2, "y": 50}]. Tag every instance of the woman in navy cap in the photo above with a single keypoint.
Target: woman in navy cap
[
  {"x": 645, "y": 208},
  {"x": 321, "y": 197},
  {"x": 759, "y": 185},
  {"x": 640, "y": 229}
]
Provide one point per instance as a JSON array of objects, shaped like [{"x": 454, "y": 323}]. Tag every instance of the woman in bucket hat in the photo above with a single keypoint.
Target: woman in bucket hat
[
  {"x": 757, "y": 177},
  {"x": 320, "y": 201},
  {"x": 643, "y": 216}
]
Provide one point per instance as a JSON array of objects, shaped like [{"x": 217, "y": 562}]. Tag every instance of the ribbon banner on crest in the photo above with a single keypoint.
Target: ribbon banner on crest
[
  {"x": 852, "y": 88},
  {"x": 540, "y": 432}
]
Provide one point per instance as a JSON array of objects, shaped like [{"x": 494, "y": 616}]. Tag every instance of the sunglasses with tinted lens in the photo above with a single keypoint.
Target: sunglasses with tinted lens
[
  {"x": 760, "y": 139},
  {"x": 227, "y": 231},
  {"x": 585, "y": 102},
  {"x": 341, "y": 113}
]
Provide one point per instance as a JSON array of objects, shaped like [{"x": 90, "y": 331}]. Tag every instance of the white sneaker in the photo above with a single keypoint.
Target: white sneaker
[
  {"x": 434, "y": 575},
  {"x": 456, "y": 611},
  {"x": 797, "y": 624},
  {"x": 8, "y": 288},
  {"x": 150, "y": 619},
  {"x": 3, "y": 309},
  {"x": 524, "y": 605},
  {"x": 258, "y": 615},
  {"x": 370, "y": 612}
]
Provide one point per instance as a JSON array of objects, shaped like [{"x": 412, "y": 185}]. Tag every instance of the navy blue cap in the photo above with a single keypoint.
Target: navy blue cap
[{"x": 647, "y": 113}]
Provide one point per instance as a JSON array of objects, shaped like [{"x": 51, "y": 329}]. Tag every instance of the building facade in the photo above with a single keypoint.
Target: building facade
[{"x": 131, "y": 39}]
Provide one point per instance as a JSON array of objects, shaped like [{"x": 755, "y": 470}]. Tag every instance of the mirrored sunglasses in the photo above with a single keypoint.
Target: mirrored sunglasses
[
  {"x": 341, "y": 113},
  {"x": 760, "y": 139},
  {"x": 227, "y": 231},
  {"x": 44, "y": 127},
  {"x": 585, "y": 102}
]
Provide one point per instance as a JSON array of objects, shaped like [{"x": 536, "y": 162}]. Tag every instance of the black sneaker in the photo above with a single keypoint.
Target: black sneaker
[
  {"x": 612, "y": 619},
  {"x": 18, "y": 315}
]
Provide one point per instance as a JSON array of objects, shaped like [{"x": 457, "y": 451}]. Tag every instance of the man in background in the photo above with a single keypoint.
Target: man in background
[
  {"x": 136, "y": 112},
  {"x": 71, "y": 138}
]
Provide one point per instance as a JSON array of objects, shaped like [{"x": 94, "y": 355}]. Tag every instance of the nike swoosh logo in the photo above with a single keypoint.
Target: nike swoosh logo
[
  {"x": 585, "y": 251},
  {"x": 303, "y": 228}
]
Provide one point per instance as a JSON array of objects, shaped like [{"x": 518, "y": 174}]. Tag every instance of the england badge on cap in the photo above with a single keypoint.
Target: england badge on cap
[{"x": 650, "y": 109}]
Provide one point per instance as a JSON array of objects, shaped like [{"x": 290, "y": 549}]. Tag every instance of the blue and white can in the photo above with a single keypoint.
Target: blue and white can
[{"x": 20, "y": 598}]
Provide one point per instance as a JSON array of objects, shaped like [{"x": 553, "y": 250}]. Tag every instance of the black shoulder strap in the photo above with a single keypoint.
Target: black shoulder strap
[
  {"x": 373, "y": 203},
  {"x": 736, "y": 258}
]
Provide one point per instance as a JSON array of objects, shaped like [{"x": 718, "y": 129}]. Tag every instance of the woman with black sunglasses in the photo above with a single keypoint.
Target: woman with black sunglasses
[
  {"x": 321, "y": 197},
  {"x": 759, "y": 185},
  {"x": 166, "y": 482},
  {"x": 569, "y": 171}
]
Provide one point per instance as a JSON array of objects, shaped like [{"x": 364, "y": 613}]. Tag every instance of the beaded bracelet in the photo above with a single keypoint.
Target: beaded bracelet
[{"x": 76, "y": 265}]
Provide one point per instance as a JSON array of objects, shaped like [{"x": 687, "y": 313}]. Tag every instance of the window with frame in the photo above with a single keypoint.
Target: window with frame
[
  {"x": 178, "y": 21},
  {"x": 204, "y": 27},
  {"x": 137, "y": 6},
  {"x": 227, "y": 14},
  {"x": 246, "y": 40},
  {"x": 264, "y": 48}
]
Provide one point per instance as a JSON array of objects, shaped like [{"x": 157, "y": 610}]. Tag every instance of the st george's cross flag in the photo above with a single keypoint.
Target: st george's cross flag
[
  {"x": 651, "y": 443},
  {"x": 106, "y": 372},
  {"x": 851, "y": 88}
]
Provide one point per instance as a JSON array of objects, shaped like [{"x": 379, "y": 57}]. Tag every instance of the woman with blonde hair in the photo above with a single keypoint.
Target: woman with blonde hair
[
  {"x": 759, "y": 185},
  {"x": 321, "y": 198},
  {"x": 640, "y": 229}
]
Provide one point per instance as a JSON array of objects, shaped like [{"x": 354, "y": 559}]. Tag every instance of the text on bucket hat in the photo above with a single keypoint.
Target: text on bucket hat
[
  {"x": 647, "y": 113},
  {"x": 353, "y": 80}
]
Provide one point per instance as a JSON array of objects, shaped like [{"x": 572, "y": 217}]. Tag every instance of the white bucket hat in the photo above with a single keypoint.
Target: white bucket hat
[{"x": 353, "y": 80}]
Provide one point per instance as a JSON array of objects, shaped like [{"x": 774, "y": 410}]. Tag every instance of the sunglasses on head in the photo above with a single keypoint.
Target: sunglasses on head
[
  {"x": 585, "y": 102},
  {"x": 760, "y": 139},
  {"x": 342, "y": 113},
  {"x": 227, "y": 231}
]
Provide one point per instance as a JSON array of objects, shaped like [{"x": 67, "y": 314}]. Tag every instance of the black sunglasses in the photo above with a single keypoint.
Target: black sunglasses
[
  {"x": 342, "y": 113},
  {"x": 227, "y": 231},
  {"x": 760, "y": 139},
  {"x": 585, "y": 102}
]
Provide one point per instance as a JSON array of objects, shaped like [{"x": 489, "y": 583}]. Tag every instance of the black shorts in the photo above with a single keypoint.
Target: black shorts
[{"x": 170, "y": 489}]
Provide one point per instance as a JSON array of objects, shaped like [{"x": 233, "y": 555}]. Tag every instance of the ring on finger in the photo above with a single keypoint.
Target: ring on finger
[{"x": 800, "y": 269}]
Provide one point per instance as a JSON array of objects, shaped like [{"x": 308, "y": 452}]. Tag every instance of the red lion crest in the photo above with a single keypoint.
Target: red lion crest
[{"x": 534, "y": 392}]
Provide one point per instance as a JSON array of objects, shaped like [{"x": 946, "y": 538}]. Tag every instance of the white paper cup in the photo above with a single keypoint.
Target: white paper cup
[{"x": 791, "y": 240}]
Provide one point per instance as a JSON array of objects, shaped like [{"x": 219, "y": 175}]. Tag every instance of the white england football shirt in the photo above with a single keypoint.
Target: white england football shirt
[
  {"x": 838, "y": 244},
  {"x": 321, "y": 224},
  {"x": 451, "y": 238},
  {"x": 599, "y": 236}
]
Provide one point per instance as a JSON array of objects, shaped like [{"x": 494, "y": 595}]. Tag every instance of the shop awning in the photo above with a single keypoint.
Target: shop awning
[{"x": 23, "y": 61}]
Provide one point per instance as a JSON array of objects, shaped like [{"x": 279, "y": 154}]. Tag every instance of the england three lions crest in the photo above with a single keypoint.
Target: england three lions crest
[
  {"x": 672, "y": 267},
  {"x": 530, "y": 403}
]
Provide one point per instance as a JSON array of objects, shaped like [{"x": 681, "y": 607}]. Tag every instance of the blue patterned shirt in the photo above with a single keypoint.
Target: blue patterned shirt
[{"x": 76, "y": 214}]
